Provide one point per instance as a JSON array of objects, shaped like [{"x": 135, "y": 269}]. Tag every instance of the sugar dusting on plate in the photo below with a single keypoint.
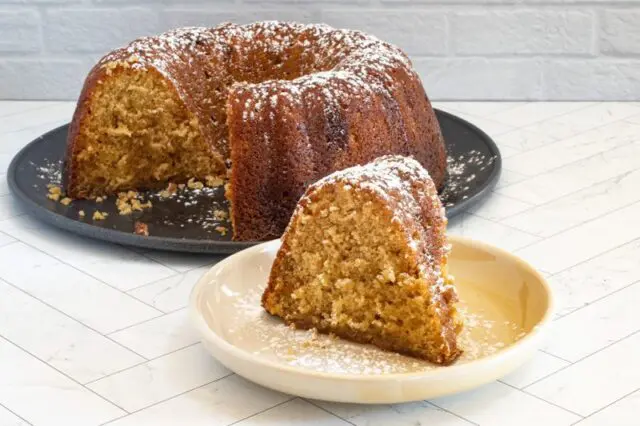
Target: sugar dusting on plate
[
  {"x": 267, "y": 337},
  {"x": 460, "y": 181}
]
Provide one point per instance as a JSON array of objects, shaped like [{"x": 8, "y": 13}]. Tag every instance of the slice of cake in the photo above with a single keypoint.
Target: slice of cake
[{"x": 365, "y": 257}]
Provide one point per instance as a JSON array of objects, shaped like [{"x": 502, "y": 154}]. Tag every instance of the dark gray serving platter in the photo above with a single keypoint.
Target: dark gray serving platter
[{"x": 185, "y": 223}]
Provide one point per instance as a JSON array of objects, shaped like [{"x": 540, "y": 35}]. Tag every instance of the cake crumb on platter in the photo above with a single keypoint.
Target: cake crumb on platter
[
  {"x": 136, "y": 205},
  {"x": 141, "y": 228},
  {"x": 220, "y": 214},
  {"x": 55, "y": 192},
  {"x": 194, "y": 184},
  {"x": 65, "y": 201},
  {"x": 213, "y": 182},
  {"x": 98, "y": 215},
  {"x": 124, "y": 208},
  {"x": 222, "y": 230},
  {"x": 81, "y": 214},
  {"x": 128, "y": 202},
  {"x": 169, "y": 191}
]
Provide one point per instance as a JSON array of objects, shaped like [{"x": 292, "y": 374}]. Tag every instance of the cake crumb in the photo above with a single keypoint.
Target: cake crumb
[
  {"x": 170, "y": 190},
  {"x": 128, "y": 202},
  {"x": 213, "y": 182},
  {"x": 141, "y": 229},
  {"x": 98, "y": 215},
  {"x": 220, "y": 214},
  {"x": 54, "y": 192},
  {"x": 99, "y": 199},
  {"x": 124, "y": 208},
  {"x": 194, "y": 184},
  {"x": 222, "y": 230},
  {"x": 136, "y": 205},
  {"x": 81, "y": 213},
  {"x": 65, "y": 201}
]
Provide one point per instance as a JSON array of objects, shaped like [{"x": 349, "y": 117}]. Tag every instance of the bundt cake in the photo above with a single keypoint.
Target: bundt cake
[
  {"x": 365, "y": 257},
  {"x": 268, "y": 107}
]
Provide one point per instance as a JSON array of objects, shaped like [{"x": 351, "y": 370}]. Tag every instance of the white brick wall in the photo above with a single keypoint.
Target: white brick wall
[{"x": 464, "y": 49}]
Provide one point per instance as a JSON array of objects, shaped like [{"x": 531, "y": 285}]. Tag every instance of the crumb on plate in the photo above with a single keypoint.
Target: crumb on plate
[
  {"x": 194, "y": 184},
  {"x": 98, "y": 215},
  {"x": 54, "y": 192},
  {"x": 141, "y": 229},
  {"x": 220, "y": 214},
  {"x": 213, "y": 181}
]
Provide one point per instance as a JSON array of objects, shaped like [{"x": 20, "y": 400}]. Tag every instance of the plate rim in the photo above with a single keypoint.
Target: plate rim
[
  {"x": 527, "y": 344},
  {"x": 189, "y": 245}
]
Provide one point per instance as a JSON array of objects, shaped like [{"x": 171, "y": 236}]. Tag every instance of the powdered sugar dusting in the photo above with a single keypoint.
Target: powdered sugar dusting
[
  {"x": 485, "y": 333},
  {"x": 49, "y": 171},
  {"x": 391, "y": 177},
  {"x": 459, "y": 181},
  {"x": 345, "y": 63}
]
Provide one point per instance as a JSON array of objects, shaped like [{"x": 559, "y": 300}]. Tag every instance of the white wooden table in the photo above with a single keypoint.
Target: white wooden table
[{"x": 92, "y": 333}]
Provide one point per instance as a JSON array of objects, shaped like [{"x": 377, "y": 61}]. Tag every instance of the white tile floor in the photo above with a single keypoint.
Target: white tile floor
[{"x": 92, "y": 333}]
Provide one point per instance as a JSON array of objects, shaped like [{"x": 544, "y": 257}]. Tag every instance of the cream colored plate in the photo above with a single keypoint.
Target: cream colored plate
[{"x": 507, "y": 305}]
